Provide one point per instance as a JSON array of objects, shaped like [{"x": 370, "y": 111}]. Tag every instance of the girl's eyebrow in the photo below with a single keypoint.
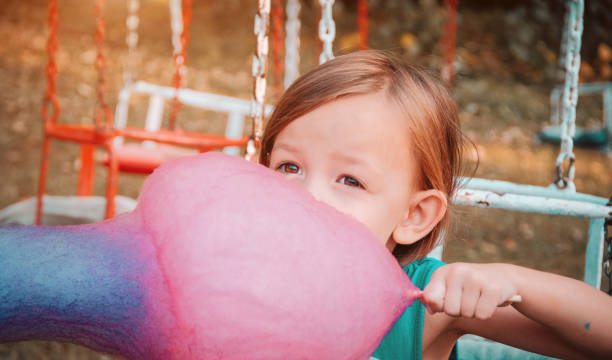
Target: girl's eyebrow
[
  {"x": 358, "y": 160},
  {"x": 285, "y": 146}
]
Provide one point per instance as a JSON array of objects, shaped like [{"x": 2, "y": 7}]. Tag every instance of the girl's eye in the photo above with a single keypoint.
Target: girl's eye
[
  {"x": 350, "y": 181},
  {"x": 289, "y": 168}
]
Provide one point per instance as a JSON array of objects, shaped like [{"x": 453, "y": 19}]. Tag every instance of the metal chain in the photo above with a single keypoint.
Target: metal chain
[
  {"x": 180, "y": 61},
  {"x": 176, "y": 24},
  {"x": 556, "y": 110},
  {"x": 262, "y": 20},
  {"x": 292, "y": 42},
  {"x": 327, "y": 30},
  {"x": 103, "y": 114},
  {"x": 563, "y": 46},
  {"x": 131, "y": 39},
  {"x": 608, "y": 259},
  {"x": 362, "y": 23},
  {"x": 276, "y": 18},
  {"x": 570, "y": 97},
  {"x": 50, "y": 99},
  {"x": 448, "y": 41}
]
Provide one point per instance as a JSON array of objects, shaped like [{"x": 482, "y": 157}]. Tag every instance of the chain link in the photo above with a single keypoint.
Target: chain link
[
  {"x": 262, "y": 20},
  {"x": 180, "y": 61},
  {"x": 570, "y": 96},
  {"x": 556, "y": 110},
  {"x": 276, "y": 18},
  {"x": 608, "y": 259},
  {"x": 50, "y": 99},
  {"x": 131, "y": 39},
  {"x": 448, "y": 41},
  {"x": 103, "y": 114},
  {"x": 292, "y": 42},
  {"x": 176, "y": 24},
  {"x": 362, "y": 23},
  {"x": 327, "y": 30}
]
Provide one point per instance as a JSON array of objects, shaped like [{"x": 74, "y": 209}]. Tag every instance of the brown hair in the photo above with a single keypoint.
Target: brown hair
[{"x": 428, "y": 108}]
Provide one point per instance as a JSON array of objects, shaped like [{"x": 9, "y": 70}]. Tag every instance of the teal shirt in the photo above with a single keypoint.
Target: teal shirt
[{"x": 405, "y": 339}]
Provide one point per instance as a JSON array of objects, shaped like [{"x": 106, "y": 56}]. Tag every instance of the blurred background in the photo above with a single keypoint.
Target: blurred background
[{"x": 506, "y": 65}]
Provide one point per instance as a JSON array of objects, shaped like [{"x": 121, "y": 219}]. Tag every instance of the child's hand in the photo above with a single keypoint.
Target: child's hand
[{"x": 469, "y": 290}]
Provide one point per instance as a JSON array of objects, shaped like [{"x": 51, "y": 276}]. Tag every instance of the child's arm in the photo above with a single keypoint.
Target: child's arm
[{"x": 568, "y": 317}]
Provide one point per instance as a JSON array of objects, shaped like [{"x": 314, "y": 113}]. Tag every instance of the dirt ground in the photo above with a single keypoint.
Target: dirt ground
[{"x": 506, "y": 64}]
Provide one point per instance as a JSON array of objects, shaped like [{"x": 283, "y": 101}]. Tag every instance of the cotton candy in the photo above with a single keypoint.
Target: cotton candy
[
  {"x": 221, "y": 259},
  {"x": 259, "y": 269}
]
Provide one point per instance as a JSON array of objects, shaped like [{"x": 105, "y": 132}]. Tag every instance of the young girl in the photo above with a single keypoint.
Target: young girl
[{"x": 380, "y": 140}]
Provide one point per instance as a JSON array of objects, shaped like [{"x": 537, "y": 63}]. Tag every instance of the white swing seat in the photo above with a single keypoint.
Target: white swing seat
[{"x": 144, "y": 157}]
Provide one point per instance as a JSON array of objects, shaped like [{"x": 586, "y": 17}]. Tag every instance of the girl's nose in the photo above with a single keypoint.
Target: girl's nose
[
  {"x": 313, "y": 191},
  {"x": 314, "y": 187},
  {"x": 320, "y": 190}
]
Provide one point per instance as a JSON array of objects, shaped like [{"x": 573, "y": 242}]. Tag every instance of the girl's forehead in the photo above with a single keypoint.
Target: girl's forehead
[
  {"x": 367, "y": 127},
  {"x": 353, "y": 118}
]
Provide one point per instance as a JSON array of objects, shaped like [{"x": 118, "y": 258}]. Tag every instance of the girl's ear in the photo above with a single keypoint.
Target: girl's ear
[{"x": 425, "y": 211}]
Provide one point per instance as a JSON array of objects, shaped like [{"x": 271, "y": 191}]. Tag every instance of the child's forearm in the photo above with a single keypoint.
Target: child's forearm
[{"x": 578, "y": 312}]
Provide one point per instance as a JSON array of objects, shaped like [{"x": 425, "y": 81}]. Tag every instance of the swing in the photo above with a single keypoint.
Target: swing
[
  {"x": 135, "y": 157},
  {"x": 560, "y": 198},
  {"x": 146, "y": 156},
  {"x": 109, "y": 135},
  {"x": 595, "y": 138},
  {"x": 142, "y": 158}
]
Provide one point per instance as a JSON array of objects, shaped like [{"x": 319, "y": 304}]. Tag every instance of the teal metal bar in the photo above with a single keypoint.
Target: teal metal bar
[
  {"x": 594, "y": 253},
  {"x": 533, "y": 204},
  {"x": 585, "y": 89},
  {"x": 504, "y": 187},
  {"x": 607, "y": 100},
  {"x": 592, "y": 137}
]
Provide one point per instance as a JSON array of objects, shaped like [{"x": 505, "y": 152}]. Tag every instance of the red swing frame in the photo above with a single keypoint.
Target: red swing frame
[{"x": 102, "y": 133}]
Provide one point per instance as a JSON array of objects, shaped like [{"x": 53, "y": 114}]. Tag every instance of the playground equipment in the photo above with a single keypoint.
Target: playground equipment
[
  {"x": 600, "y": 137},
  {"x": 154, "y": 144},
  {"x": 447, "y": 42},
  {"x": 559, "y": 199},
  {"x": 146, "y": 156},
  {"x": 110, "y": 135}
]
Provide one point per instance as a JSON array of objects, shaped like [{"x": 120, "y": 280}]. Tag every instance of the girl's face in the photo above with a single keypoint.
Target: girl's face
[{"x": 353, "y": 154}]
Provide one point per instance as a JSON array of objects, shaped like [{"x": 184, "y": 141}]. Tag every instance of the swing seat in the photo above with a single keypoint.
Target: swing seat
[
  {"x": 599, "y": 138},
  {"x": 143, "y": 161},
  {"x": 144, "y": 158},
  {"x": 596, "y": 138}
]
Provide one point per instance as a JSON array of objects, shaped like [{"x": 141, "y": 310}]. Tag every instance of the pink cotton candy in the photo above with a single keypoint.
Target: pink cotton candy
[{"x": 258, "y": 269}]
